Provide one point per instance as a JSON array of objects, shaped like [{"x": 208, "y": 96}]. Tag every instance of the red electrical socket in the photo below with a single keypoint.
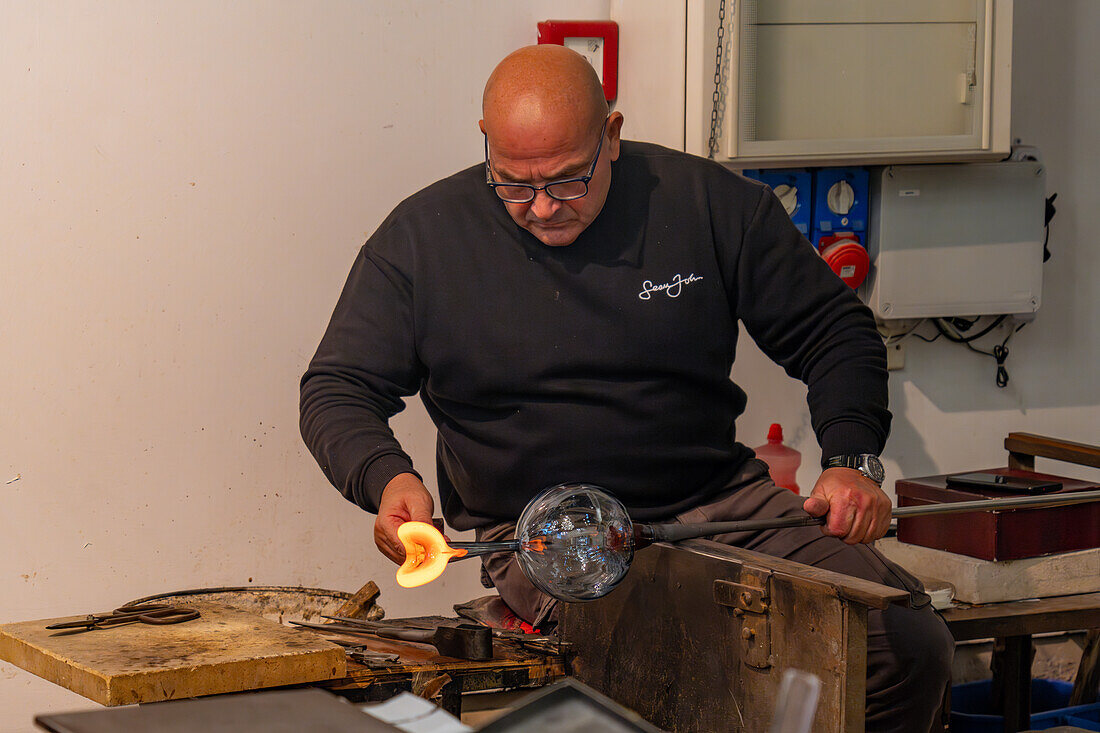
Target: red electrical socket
[{"x": 846, "y": 257}]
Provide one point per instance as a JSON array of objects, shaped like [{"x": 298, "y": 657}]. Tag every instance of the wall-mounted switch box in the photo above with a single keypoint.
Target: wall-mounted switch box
[{"x": 963, "y": 239}]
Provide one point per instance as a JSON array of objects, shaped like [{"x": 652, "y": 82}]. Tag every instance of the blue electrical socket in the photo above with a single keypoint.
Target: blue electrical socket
[
  {"x": 855, "y": 218},
  {"x": 793, "y": 178}
]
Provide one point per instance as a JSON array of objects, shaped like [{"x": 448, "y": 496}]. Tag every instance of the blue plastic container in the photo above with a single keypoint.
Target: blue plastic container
[
  {"x": 1082, "y": 716},
  {"x": 972, "y": 708}
]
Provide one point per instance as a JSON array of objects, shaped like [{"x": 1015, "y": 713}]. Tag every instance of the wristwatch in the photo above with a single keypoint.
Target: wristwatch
[{"x": 866, "y": 463}]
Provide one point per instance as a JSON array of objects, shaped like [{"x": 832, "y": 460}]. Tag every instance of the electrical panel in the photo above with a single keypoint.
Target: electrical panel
[
  {"x": 956, "y": 240},
  {"x": 829, "y": 207}
]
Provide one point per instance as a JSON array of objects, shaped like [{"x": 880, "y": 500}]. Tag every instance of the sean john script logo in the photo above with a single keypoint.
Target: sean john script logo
[{"x": 671, "y": 289}]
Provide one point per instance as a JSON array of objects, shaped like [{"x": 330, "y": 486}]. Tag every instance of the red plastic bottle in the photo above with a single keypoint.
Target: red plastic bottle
[{"x": 783, "y": 461}]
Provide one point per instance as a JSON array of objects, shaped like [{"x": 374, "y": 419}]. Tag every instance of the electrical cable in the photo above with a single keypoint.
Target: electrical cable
[
  {"x": 999, "y": 353},
  {"x": 1048, "y": 214},
  {"x": 947, "y": 329},
  {"x": 961, "y": 324},
  {"x": 959, "y": 338},
  {"x": 929, "y": 340}
]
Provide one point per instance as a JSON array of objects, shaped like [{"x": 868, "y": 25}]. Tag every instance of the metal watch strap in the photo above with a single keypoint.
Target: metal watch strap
[
  {"x": 866, "y": 463},
  {"x": 846, "y": 461}
]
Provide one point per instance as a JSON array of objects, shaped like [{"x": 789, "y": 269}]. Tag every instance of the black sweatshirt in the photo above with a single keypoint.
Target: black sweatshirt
[{"x": 606, "y": 361}]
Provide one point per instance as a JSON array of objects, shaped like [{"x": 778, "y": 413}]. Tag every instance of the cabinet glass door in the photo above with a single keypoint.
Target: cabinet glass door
[{"x": 829, "y": 77}]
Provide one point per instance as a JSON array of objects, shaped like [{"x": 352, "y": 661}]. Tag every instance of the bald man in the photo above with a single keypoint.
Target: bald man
[{"x": 568, "y": 310}]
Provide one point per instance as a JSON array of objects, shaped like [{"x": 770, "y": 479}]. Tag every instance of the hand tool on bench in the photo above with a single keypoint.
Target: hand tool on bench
[
  {"x": 160, "y": 614},
  {"x": 497, "y": 633},
  {"x": 532, "y": 642},
  {"x": 461, "y": 641}
]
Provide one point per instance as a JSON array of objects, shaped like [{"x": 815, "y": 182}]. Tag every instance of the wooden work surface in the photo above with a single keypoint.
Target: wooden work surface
[
  {"x": 1019, "y": 618},
  {"x": 225, "y": 650}
]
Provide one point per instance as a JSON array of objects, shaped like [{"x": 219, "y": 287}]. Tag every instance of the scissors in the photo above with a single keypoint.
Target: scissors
[{"x": 146, "y": 613}]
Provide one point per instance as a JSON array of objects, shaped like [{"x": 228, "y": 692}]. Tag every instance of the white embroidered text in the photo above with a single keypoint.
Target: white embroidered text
[{"x": 671, "y": 289}]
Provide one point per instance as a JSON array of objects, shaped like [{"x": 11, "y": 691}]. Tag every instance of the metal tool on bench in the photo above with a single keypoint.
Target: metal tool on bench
[
  {"x": 497, "y": 633},
  {"x": 461, "y": 641},
  {"x": 159, "y": 614},
  {"x": 364, "y": 655},
  {"x": 575, "y": 542},
  {"x": 531, "y": 642}
]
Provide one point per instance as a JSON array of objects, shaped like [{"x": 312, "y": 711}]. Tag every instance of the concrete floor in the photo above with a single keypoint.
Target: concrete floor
[{"x": 1056, "y": 658}]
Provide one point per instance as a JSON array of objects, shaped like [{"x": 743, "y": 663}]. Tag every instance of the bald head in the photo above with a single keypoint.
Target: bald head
[
  {"x": 543, "y": 89},
  {"x": 546, "y": 120}
]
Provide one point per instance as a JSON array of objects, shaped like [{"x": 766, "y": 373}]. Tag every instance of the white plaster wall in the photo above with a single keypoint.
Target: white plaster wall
[{"x": 183, "y": 187}]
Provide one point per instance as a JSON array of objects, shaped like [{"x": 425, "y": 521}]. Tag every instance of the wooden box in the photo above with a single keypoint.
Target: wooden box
[
  {"x": 698, "y": 635},
  {"x": 1012, "y": 534}
]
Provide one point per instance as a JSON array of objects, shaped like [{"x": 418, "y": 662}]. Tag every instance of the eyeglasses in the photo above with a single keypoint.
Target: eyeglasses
[{"x": 567, "y": 189}]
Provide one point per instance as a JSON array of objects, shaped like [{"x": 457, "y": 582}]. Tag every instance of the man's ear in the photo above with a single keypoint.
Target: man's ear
[
  {"x": 481, "y": 125},
  {"x": 614, "y": 127}
]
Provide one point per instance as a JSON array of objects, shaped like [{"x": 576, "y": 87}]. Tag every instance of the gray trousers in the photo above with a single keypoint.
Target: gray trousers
[{"x": 909, "y": 650}]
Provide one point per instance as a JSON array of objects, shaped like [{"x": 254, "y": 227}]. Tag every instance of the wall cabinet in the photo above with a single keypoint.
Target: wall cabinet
[{"x": 829, "y": 82}]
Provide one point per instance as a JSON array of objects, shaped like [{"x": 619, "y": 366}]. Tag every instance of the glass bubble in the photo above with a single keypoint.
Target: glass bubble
[{"x": 576, "y": 542}]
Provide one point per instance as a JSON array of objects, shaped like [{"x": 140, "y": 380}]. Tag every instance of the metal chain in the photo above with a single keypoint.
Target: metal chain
[{"x": 716, "y": 97}]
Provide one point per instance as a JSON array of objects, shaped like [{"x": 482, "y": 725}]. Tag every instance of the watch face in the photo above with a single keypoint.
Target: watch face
[{"x": 872, "y": 468}]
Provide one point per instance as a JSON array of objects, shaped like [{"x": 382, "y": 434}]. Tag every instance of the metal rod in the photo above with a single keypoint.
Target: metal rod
[
  {"x": 500, "y": 633},
  {"x": 647, "y": 533},
  {"x": 476, "y": 549},
  {"x": 1016, "y": 502}
]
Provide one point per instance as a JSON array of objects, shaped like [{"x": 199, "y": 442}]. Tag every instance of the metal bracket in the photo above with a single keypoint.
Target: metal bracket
[{"x": 750, "y": 600}]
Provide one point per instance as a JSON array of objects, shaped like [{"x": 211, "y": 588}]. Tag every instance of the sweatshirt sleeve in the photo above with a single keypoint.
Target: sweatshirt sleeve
[
  {"x": 811, "y": 323},
  {"x": 365, "y": 364}
]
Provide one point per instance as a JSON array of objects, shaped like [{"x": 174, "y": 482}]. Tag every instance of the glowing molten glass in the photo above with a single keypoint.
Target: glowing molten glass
[
  {"x": 574, "y": 542},
  {"x": 426, "y": 554}
]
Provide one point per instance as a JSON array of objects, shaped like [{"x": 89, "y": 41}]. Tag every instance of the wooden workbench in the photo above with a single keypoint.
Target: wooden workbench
[
  {"x": 230, "y": 650},
  {"x": 224, "y": 650},
  {"x": 1012, "y": 624}
]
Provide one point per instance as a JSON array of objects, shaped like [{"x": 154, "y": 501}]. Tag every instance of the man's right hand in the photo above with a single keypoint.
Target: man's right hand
[{"x": 405, "y": 499}]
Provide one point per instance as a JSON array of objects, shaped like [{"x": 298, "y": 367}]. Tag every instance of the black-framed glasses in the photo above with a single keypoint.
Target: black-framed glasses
[{"x": 567, "y": 189}]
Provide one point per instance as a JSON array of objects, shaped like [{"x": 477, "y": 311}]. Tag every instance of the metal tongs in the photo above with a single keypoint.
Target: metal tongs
[{"x": 159, "y": 614}]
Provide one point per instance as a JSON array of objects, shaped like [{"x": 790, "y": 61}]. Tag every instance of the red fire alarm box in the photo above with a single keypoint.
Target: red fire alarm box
[{"x": 596, "y": 40}]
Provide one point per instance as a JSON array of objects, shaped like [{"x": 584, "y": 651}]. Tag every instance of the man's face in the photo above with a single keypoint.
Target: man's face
[{"x": 531, "y": 156}]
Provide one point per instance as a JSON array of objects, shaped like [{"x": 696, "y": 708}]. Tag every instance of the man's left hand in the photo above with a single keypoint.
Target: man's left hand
[{"x": 858, "y": 509}]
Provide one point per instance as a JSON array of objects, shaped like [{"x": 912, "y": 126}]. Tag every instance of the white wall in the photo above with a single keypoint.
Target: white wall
[{"x": 183, "y": 187}]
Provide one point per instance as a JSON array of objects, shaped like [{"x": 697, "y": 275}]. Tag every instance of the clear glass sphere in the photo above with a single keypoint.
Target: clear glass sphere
[{"x": 576, "y": 542}]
